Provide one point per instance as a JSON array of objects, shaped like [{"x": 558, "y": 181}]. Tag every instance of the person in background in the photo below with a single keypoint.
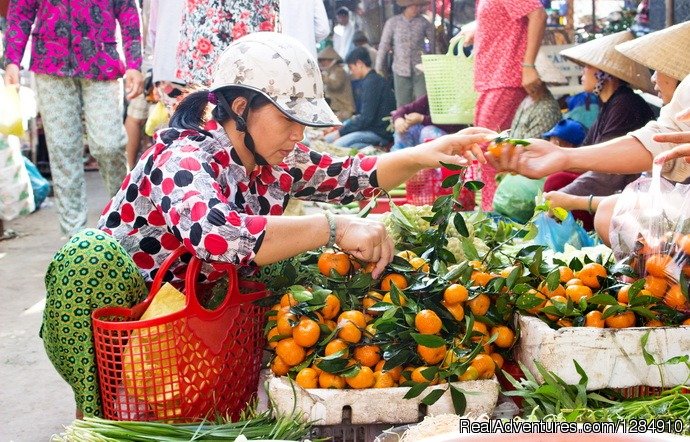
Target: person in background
[
  {"x": 360, "y": 40},
  {"x": 77, "y": 67},
  {"x": 405, "y": 35},
  {"x": 209, "y": 26},
  {"x": 343, "y": 32},
  {"x": 305, "y": 20},
  {"x": 506, "y": 36},
  {"x": 667, "y": 75},
  {"x": 538, "y": 112},
  {"x": 611, "y": 76},
  {"x": 370, "y": 126},
  {"x": 138, "y": 107},
  {"x": 413, "y": 125},
  {"x": 373, "y": 13},
  {"x": 336, "y": 84}
]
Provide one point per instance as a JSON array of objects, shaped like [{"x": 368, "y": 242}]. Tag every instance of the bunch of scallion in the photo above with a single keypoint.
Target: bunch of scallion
[{"x": 251, "y": 425}]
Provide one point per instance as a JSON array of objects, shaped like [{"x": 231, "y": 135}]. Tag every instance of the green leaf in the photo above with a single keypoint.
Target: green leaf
[
  {"x": 333, "y": 366},
  {"x": 513, "y": 276},
  {"x": 459, "y": 223},
  {"x": 644, "y": 312},
  {"x": 648, "y": 358},
  {"x": 602, "y": 299},
  {"x": 416, "y": 390},
  {"x": 553, "y": 279},
  {"x": 433, "y": 396},
  {"x": 678, "y": 360},
  {"x": 431, "y": 341},
  {"x": 450, "y": 181},
  {"x": 351, "y": 372},
  {"x": 474, "y": 186},
  {"x": 450, "y": 166},
  {"x": 613, "y": 310},
  {"x": 528, "y": 301},
  {"x": 459, "y": 400}
]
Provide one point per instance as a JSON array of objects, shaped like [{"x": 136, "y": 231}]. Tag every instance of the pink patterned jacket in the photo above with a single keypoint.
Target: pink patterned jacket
[{"x": 74, "y": 38}]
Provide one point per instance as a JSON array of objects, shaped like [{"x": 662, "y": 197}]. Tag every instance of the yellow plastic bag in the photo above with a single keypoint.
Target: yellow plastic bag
[
  {"x": 150, "y": 358},
  {"x": 10, "y": 112},
  {"x": 157, "y": 118}
]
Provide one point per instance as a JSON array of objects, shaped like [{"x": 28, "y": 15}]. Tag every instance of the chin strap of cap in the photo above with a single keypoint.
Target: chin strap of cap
[{"x": 241, "y": 125}]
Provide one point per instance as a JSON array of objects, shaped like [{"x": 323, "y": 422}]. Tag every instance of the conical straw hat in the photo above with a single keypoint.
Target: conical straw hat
[
  {"x": 548, "y": 71},
  {"x": 601, "y": 54},
  {"x": 666, "y": 51}
]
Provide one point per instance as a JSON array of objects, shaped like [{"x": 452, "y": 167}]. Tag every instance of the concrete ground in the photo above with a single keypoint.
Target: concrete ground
[{"x": 35, "y": 402}]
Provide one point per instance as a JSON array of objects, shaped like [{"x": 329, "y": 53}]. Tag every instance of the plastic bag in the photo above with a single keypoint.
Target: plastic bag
[
  {"x": 157, "y": 118},
  {"x": 16, "y": 194},
  {"x": 650, "y": 227},
  {"x": 39, "y": 185},
  {"x": 555, "y": 235},
  {"x": 10, "y": 112},
  {"x": 515, "y": 197}
]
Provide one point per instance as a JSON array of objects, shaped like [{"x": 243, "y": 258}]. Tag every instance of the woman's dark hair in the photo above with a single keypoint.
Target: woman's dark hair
[
  {"x": 359, "y": 54},
  {"x": 191, "y": 112}
]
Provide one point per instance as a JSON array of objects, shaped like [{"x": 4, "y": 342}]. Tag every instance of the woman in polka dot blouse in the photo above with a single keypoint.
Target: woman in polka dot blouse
[{"x": 217, "y": 183}]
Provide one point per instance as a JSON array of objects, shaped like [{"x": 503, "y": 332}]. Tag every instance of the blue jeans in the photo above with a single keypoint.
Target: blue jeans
[
  {"x": 416, "y": 134},
  {"x": 360, "y": 139}
]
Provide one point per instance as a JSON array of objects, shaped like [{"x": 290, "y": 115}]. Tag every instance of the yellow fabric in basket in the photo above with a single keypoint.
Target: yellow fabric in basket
[{"x": 149, "y": 362}]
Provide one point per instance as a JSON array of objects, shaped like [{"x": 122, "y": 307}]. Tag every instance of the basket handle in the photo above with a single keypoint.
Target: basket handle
[
  {"x": 233, "y": 297},
  {"x": 453, "y": 43}
]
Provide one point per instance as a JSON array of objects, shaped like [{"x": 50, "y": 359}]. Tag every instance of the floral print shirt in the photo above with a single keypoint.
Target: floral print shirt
[
  {"x": 191, "y": 189},
  {"x": 208, "y": 27},
  {"x": 74, "y": 38}
]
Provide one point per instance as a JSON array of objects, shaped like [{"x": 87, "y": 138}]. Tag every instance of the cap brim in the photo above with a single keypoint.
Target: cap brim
[{"x": 313, "y": 112}]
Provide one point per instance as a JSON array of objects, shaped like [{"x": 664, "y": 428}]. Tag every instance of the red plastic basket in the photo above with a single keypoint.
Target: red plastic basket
[
  {"x": 423, "y": 187},
  {"x": 185, "y": 366}
]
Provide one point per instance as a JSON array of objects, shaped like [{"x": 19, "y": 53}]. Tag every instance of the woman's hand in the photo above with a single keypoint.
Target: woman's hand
[
  {"x": 414, "y": 118},
  {"x": 12, "y": 75},
  {"x": 561, "y": 199},
  {"x": 537, "y": 160},
  {"x": 400, "y": 125},
  {"x": 366, "y": 240},
  {"x": 460, "y": 148},
  {"x": 681, "y": 150},
  {"x": 134, "y": 83}
]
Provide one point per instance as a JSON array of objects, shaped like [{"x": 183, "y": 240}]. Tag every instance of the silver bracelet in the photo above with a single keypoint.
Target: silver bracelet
[{"x": 331, "y": 226}]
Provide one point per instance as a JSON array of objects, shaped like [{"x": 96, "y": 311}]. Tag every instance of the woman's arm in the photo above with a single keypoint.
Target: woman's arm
[
  {"x": 573, "y": 202},
  {"x": 396, "y": 167},
  {"x": 536, "y": 23}
]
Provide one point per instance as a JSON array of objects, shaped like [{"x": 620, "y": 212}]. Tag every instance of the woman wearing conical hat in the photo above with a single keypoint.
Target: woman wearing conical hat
[{"x": 666, "y": 52}]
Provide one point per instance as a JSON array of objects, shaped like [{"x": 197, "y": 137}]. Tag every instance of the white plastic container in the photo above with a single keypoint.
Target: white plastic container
[
  {"x": 612, "y": 358},
  {"x": 374, "y": 405}
]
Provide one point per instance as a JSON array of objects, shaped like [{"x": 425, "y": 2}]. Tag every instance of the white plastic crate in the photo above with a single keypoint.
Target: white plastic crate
[
  {"x": 374, "y": 405},
  {"x": 612, "y": 358}
]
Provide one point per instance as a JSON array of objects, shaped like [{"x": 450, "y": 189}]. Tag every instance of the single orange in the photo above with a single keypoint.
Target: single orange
[
  {"x": 274, "y": 315},
  {"x": 594, "y": 319},
  {"x": 555, "y": 300},
  {"x": 675, "y": 298},
  {"x": 558, "y": 291},
  {"x": 393, "y": 278},
  {"x": 431, "y": 355},
  {"x": 470, "y": 374},
  {"x": 498, "y": 360},
  {"x": 656, "y": 265},
  {"x": 288, "y": 300},
  {"x": 455, "y": 310},
  {"x": 349, "y": 332},
  {"x": 565, "y": 274},
  {"x": 480, "y": 327},
  {"x": 388, "y": 299},
  {"x": 620, "y": 320},
  {"x": 335, "y": 346},
  {"x": 573, "y": 281},
  {"x": 279, "y": 367},
  {"x": 590, "y": 273},
  {"x": 407, "y": 255},
  {"x": 330, "y": 380},
  {"x": 537, "y": 308},
  {"x": 455, "y": 294},
  {"x": 290, "y": 352},
  {"x": 654, "y": 323},
  {"x": 577, "y": 292},
  {"x": 484, "y": 364},
  {"x": 479, "y": 304},
  {"x": 418, "y": 377},
  {"x": 505, "y": 337},
  {"x": 623, "y": 294},
  {"x": 420, "y": 264},
  {"x": 336, "y": 261},
  {"x": 363, "y": 379},
  {"x": 481, "y": 278},
  {"x": 286, "y": 323},
  {"x": 307, "y": 378},
  {"x": 383, "y": 380},
  {"x": 331, "y": 308},
  {"x": 394, "y": 372},
  {"x": 657, "y": 286},
  {"x": 272, "y": 333},
  {"x": 368, "y": 355},
  {"x": 354, "y": 316},
  {"x": 427, "y": 322},
  {"x": 306, "y": 333},
  {"x": 564, "y": 322},
  {"x": 686, "y": 322}
]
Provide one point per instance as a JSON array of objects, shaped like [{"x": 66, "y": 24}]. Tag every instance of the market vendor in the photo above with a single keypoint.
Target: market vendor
[
  {"x": 628, "y": 154},
  {"x": 217, "y": 186}
]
